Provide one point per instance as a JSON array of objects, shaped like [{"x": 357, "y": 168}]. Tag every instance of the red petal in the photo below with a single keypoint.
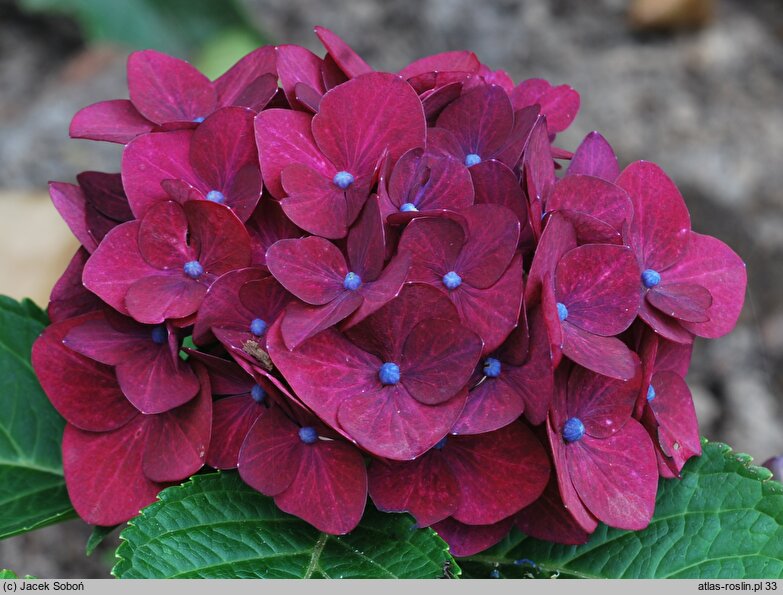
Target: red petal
[
  {"x": 548, "y": 519},
  {"x": 661, "y": 224},
  {"x": 163, "y": 236},
  {"x": 296, "y": 65},
  {"x": 595, "y": 157},
  {"x": 151, "y": 300},
  {"x": 312, "y": 268},
  {"x": 558, "y": 238},
  {"x": 303, "y": 321},
  {"x": 456, "y": 61},
  {"x": 348, "y": 60},
  {"x": 103, "y": 473},
  {"x": 222, "y": 240},
  {"x": 605, "y": 355},
  {"x": 684, "y": 301},
  {"x": 467, "y": 540},
  {"x": 492, "y": 237},
  {"x": 425, "y": 487},
  {"x": 604, "y": 405},
  {"x": 314, "y": 202},
  {"x": 231, "y": 85},
  {"x": 115, "y": 121},
  {"x": 69, "y": 201},
  {"x": 232, "y": 419},
  {"x": 166, "y": 89},
  {"x": 496, "y": 184},
  {"x": 69, "y": 296}
]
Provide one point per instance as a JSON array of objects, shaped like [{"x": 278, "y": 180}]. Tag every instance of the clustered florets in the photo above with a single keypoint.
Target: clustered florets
[{"x": 389, "y": 290}]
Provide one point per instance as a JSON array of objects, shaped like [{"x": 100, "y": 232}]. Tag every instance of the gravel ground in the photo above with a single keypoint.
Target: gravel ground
[{"x": 704, "y": 103}]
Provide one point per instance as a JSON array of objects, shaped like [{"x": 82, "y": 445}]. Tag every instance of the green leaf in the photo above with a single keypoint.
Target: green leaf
[
  {"x": 97, "y": 536},
  {"x": 214, "y": 526},
  {"x": 32, "y": 489},
  {"x": 723, "y": 519},
  {"x": 7, "y": 574}
]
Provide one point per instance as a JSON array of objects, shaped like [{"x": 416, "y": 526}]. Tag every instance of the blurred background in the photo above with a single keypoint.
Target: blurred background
[{"x": 694, "y": 85}]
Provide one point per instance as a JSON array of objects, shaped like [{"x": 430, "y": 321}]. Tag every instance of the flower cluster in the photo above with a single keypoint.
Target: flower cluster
[{"x": 392, "y": 284}]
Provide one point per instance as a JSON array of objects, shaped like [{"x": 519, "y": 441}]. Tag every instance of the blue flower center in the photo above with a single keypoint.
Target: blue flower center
[
  {"x": 408, "y": 207},
  {"x": 562, "y": 311},
  {"x": 308, "y": 435},
  {"x": 573, "y": 429},
  {"x": 492, "y": 367},
  {"x": 193, "y": 269},
  {"x": 352, "y": 281},
  {"x": 159, "y": 335},
  {"x": 198, "y": 120},
  {"x": 389, "y": 373},
  {"x": 441, "y": 443},
  {"x": 342, "y": 179},
  {"x": 258, "y": 393},
  {"x": 216, "y": 196},
  {"x": 472, "y": 159},
  {"x": 650, "y": 393},
  {"x": 258, "y": 327},
  {"x": 452, "y": 280},
  {"x": 650, "y": 278}
]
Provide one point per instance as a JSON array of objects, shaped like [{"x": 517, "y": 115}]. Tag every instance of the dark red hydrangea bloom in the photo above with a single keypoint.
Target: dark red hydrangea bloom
[
  {"x": 145, "y": 358},
  {"x": 331, "y": 288},
  {"x": 91, "y": 209},
  {"x": 471, "y": 259},
  {"x": 592, "y": 434},
  {"x": 216, "y": 162},
  {"x": 692, "y": 283},
  {"x": 115, "y": 458},
  {"x": 380, "y": 274},
  {"x": 455, "y": 480},
  {"x": 161, "y": 266},
  {"x": 396, "y": 383},
  {"x": 167, "y": 93},
  {"x": 324, "y": 166}
]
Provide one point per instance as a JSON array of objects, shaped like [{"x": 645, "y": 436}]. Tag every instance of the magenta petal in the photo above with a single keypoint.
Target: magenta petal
[
  {"x": 480, "y": 119},
  {"x": 166, "y": 89},
  {"x": 267, "y": 225},
  {"x": 178, "y": 440},
  {"x": 664, "y": 325},
  {"x": 496, "y": 184},
  {"x": 85, "y": 392},
  {"x": 303, "y": 321},
  {"x": 348, "y": 60},
  {"x": 661, "y": 225},
  {"x": 499, "y": 473},
  {"x": 713, "y": 265},
  {"x": 69, "y": 201},
  {"x": 595, "y": 157},
  {"x": 163, "y": 236},
  {"x": 625, "y": 462},
  {"x": 222, "y": 146},
  {"x": 493, "y": 404},
  {"x": 116, "y": 265},
  {"x": 103, "y": 473},
  {"x": 548, "y": 519},
  {"x": 258, "y": 94},
  {"x": 684, "y": 301},
  {"x": 152, "y": 158},
  {"x": 232, "y": 419},
  {"x": 492, "y": 237},
  {"x": 604, "y": 355},
  {"x": 222, "y": 240},
  {"x": 69, "y": 297},
  {"x": 539, "y": 169},
  {"x": 425, "y": 487},
  {"x": 583, "y": 518},
  {"x": 365, "y": 117},
  {"x": 220, "y": 303},
  {"x": 295, "y": 65},
  {"x": 314, "y": 202},
  {"x": 323, "y": 370},
  {"x": 592, "y": 196},
  {"x": 157, "y": 380},
  {"x": 367, "y": 242},
  {"x": 387, "y": 329},
  {"x": 97, "y": 339},
  {"x": 151, "y": 300},
  {"x": 559, "y": 104},
  {"x": 115, "y": 121},
  {"x": 603, "y": 404},
  {"x": 284, "y": 138},
  {"x": 390, "y": 423},
  {"x": 492, "y": 313},
  {"x": 312, "y": 268},
  {"x": 330, "y": 490},
  {"x": 434, "y": 245},
  {"x": 675, "y": 418},
  {"x": 438, "y": 358},
  {"x": 231, "y": 85},
  {"x": 456, "y": 61},
  {"x": 558, "y": 238},
  {"x": 376, "y": 294},
  {"x": 270, "y": 456},
  {"x": 467, "y": 540},
  {"x": 599, "y": 284}
]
